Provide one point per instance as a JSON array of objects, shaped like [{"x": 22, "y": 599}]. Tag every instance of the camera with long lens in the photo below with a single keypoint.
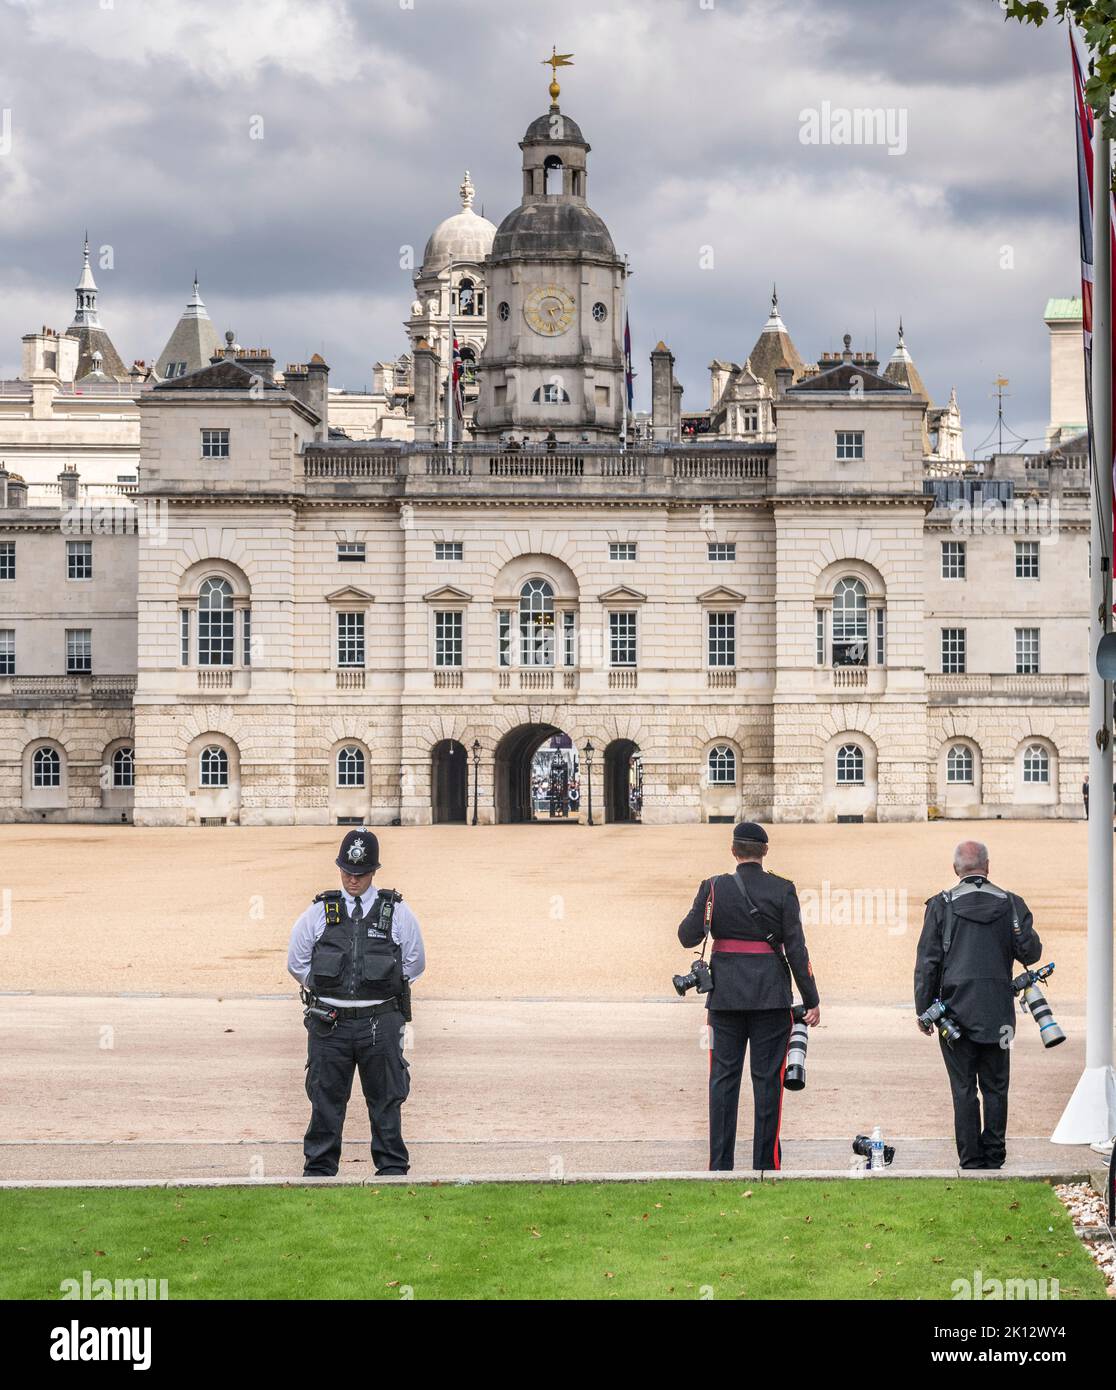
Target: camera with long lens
[
  {"x": 699, "y": 978},
  {"x": 862, "y": 1145},
  {"x": 794, "y": 1078},
  {"x": 1032, "y": 1001},
  {"x": 937, "y": 1016}
]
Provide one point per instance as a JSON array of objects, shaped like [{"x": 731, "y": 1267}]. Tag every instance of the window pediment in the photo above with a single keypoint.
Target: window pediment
[
  {"x": 721, "y": 594},
  {"x": 447, "y": 593},
  {"x": 350, "y": 594},
  {"x": 622, "y": 593}
]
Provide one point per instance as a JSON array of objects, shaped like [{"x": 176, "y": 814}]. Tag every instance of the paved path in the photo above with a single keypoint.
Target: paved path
[{"x": 162, "y": 1088}]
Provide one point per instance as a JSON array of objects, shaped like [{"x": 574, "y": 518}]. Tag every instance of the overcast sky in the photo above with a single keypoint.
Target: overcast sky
[{"x": 135, "y": 117}]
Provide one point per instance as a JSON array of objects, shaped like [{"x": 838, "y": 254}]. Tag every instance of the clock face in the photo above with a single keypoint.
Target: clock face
[{"x": 549, "y": 310}]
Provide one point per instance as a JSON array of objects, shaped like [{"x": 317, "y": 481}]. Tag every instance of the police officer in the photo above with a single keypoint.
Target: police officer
[
  {"x": 970, "y": 935},
  {"x": 757, "y": 942},
  {"x": 356, "y": 951}
]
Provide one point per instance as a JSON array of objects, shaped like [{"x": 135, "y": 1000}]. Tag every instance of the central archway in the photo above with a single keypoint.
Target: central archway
[
  {"x": 623, "y": 779},
  {"x": 537, "y": 776},
  {"x": 449, "y": 782}
]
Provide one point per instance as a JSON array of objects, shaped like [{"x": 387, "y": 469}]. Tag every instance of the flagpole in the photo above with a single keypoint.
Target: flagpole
[{"x": 1090, "y": 1115}]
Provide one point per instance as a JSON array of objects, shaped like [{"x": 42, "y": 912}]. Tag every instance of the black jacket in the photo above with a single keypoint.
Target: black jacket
[
  {"x": 991, "y": 928},
  {"x": 761, "y": 981}
]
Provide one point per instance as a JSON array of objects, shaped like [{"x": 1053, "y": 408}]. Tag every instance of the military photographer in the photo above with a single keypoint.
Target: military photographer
[{"x": 963, "y": 989}]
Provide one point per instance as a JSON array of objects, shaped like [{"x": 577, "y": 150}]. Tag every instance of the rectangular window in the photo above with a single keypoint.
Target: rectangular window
[
  {"x": 503, "y": 636},
  {"x": 953, "y": 650},
  {"x": 350, "y": 639},
  {"x": 749, "y": 419},
  {"x": 1026, "y": 651},
  {"x": 953, "y": 559},
  {"x": 351, "y": 551},
  {"x": 621, "y": 550},
  {"x": 721, "y": 552},
  {"x": 79, "y": 651},
  {"x": 215, "y": 444},
  {"x": 79, "y": 559},
  {"x": 569, "y": 656},
  {"x": 850, "y": 445},
  {"x": 7, "y": 559},
  {"x": 621, "y": 639},
  {"x": 1026, "y": 559},
  {"x": 246, "y": 636},
  {"x": 448, "y": 635},
  {"x": 184, "y": 636},
  {"x": 449, "y": 550},
  {"x": 7, "y": 651},
  {"x": 819, "y": 636},
  {"x": 127, "y": 477},
  {"x": 881, "y": 637},
  {"x": 722, "y": 639}
]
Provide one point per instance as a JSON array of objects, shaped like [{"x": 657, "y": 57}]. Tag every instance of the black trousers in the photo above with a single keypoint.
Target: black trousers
[
  {"x": 987, "y": 1065},
  {"x": 766, "y": 1032},
  {"x": 374, "y": 1047}
]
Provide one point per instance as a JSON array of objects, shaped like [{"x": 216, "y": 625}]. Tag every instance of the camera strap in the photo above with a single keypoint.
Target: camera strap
[{"x": 708, "y": 921}]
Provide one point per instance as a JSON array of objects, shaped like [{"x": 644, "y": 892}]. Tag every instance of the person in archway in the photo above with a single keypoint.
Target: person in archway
[{"x": 755, "y": 923}]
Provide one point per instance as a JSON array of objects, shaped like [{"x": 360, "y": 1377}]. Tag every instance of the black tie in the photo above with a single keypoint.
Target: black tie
[{"x": 357, "y": 912}]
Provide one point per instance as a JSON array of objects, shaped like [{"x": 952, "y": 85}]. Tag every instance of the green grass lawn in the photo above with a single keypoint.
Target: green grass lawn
[{"x": 875, "y": 1238}]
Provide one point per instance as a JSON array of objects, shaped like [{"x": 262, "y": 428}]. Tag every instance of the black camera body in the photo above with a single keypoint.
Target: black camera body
[
  {"x": 937, "y": 1016},
  {"x": 699, "y": 978},
  {"x": 862, "y": 1146}
]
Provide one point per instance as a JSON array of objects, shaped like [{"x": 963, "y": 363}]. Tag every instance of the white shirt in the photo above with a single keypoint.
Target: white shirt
[{"x": 309, "y": 927}]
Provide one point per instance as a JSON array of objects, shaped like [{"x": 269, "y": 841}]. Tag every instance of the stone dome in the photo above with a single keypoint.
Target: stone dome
[
  {"x": 543, "y": 128},
  {"x": 465, "y": 236},
  {"x": 548, "y": 230}
]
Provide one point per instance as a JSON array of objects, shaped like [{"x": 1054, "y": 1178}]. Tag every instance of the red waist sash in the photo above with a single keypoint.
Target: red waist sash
[{"x": 743, "y": 948}]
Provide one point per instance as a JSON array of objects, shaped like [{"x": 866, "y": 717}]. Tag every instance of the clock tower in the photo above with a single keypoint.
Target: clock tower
[{"x": 553, "y": 360}]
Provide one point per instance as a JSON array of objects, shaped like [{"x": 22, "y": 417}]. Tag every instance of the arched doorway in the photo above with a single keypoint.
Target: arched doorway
[
  {"x": 449, "y": 781},
  {"x": 537, "y": 776},
  {"x": 623, "y": 779}
]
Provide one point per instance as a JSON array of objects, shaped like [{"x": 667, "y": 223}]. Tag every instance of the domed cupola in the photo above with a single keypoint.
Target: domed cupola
[
  {"x": 553, "y": 360},
  {"x": 466, "y": 236}
]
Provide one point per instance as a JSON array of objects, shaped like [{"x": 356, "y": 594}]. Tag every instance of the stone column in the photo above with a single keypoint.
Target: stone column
[
  {"x": 426, "y": 391},
  {"x": 662, "y": 393}
]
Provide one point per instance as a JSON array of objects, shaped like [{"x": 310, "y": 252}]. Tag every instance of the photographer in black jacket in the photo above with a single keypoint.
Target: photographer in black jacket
[
  {"x": 970, "y": 935},
  {"x": 756, "y": 926}
]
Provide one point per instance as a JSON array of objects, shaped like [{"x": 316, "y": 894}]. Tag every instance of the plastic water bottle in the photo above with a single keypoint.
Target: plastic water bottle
[{"x": 877, "y": 1150}]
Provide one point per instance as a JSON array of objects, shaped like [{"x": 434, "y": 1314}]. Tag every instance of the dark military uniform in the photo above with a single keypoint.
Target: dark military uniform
[
  {"x": 991, "y": 927},
  {"x": 750, "y": 1003}
]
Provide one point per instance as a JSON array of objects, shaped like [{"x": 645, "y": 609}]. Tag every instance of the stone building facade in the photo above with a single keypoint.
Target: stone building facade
[{"x": 832, "y": 620}]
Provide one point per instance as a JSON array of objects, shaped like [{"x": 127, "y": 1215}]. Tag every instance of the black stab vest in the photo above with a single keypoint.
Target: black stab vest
[{"x": 357, "y": 960}]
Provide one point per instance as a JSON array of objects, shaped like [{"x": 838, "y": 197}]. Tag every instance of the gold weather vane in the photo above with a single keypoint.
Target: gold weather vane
[{"x": 554, "y": 62}]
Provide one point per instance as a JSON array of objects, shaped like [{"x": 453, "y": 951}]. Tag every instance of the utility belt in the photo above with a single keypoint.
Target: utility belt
[
  {"x": 334, "y": 1013},
  {"x": 731, "y": 946}
]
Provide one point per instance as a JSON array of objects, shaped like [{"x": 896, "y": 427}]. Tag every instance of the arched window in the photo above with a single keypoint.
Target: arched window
[
  {"x": 551, "y": 394},
  {"x": 466, "y": 298},
  {"x": 1036, "y": 764},
  {"x": 124, "y": 767},
  {"x": 850, "y": 765},
  {"x": 215, "y": 623},
  {"x": 468, "y": 366},
  {"x": 850, "y": 623},
  {"x": 536, "y": 624},
  {"x": 553, "y": 174},
  {"x": 214, "y": 767},
  {"x": 350, "y": 766},
  {"x": 46, "y": 768},
  {"x": 722, "y": 766},
  {"x": 959, "y": 765}
]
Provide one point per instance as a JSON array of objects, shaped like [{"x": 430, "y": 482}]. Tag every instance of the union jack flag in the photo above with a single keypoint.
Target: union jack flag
[{"x": 458, "y": 376}]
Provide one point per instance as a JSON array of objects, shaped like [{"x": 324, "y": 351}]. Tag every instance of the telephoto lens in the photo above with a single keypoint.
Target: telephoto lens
[
  {"x": 794, "y": 1078},
  {"x": 1034, "y": 1002}
]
